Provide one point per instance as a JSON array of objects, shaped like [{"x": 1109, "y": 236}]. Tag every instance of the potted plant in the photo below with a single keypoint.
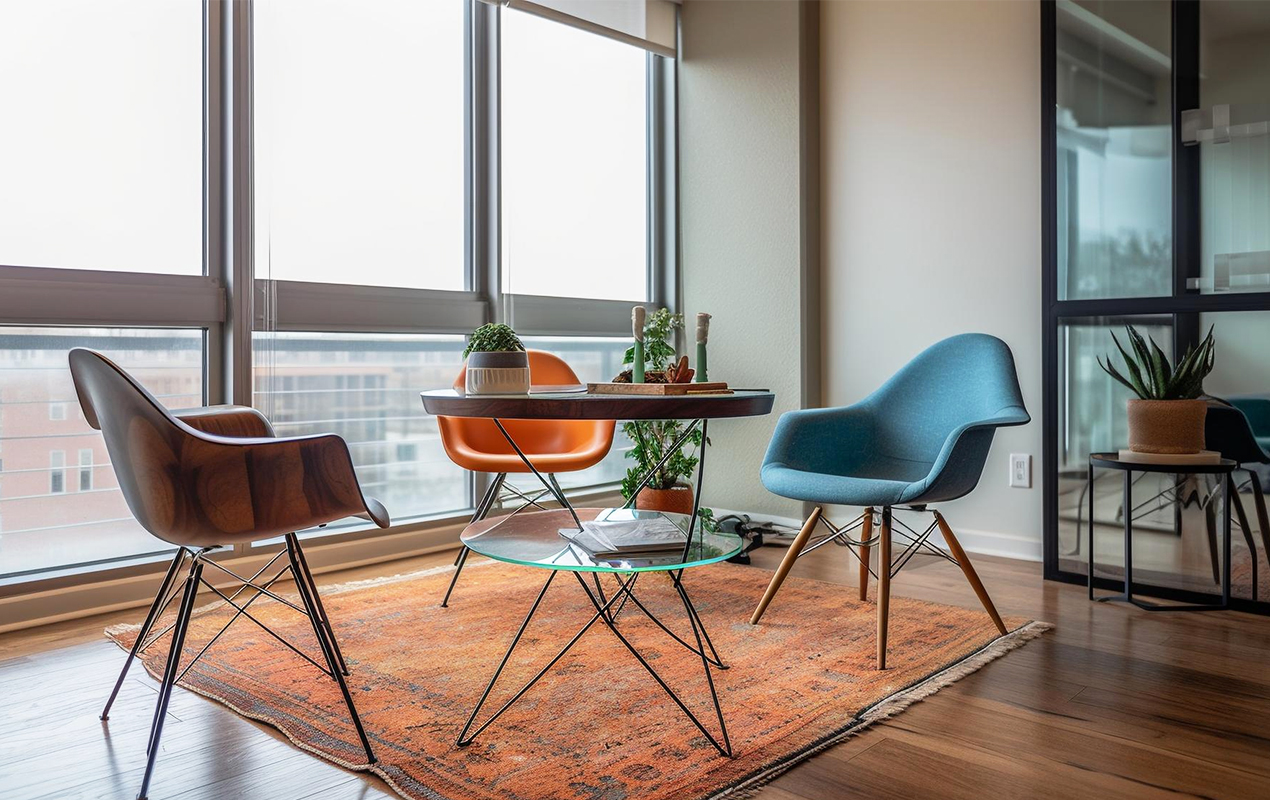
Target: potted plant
[
  {"x": 1168, "y": 415},
  {"x": 496, "y": 361},
  {"x": 668, "y": 490}
]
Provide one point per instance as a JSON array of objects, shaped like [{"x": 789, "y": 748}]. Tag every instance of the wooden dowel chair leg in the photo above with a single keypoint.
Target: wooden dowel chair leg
[
  {"x": 866, "y": 534},
  {"x": 787, "y": 563},
  {"x": 884, "y": 584},
  {"x": 966, "y": 567}
]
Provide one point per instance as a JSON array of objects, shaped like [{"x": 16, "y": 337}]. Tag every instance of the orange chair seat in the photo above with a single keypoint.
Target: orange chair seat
[{"x": 552, "y": 445}]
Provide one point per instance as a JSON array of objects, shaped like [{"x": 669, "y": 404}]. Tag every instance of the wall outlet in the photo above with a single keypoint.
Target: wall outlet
[{"x": 1020, "y": 470}]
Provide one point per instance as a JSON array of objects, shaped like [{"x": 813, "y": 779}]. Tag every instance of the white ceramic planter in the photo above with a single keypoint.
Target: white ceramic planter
[{"x": 497, "y": 373}]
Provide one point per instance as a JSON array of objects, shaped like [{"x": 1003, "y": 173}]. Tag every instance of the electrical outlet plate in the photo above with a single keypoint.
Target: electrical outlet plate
[{"x": 1020, "y": 471}]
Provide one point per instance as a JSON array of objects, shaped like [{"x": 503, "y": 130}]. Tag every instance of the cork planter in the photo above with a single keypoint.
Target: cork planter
[
  {"x": 676, "y": 500},
  {"x": 1168, "y": 427}
]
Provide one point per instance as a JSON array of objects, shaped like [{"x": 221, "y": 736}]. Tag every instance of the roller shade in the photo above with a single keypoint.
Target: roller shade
[{"x": 649, "y": 24}]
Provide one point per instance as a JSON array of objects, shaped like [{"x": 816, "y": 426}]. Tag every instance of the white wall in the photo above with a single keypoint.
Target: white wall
[
  {"x": 739, "y": 226},
  {"x": 930, "y": 148}
]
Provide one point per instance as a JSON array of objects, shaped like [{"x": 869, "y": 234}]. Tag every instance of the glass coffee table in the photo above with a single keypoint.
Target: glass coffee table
[{"x": 532, "y": 539}]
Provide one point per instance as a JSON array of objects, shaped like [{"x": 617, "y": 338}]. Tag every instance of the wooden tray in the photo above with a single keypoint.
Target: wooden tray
[{"x": 666, "y": 389}]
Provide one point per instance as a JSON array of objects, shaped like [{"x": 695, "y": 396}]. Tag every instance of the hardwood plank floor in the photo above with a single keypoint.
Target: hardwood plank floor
[{"x": 1116, "y": 702}]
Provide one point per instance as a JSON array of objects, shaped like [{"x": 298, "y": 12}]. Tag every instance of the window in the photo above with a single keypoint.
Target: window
[
  {"x": 102, "y": 150},
  {"x": 359, "y": 172},
  {"x": 86, "y": 469},
  {"x": 40, "y": 532},
  {"x": 396, "y": 183},
  {"x": 365, "y": 387},
  {"x": 57, "y": 475},
  {"x": 574, "y": 162}
]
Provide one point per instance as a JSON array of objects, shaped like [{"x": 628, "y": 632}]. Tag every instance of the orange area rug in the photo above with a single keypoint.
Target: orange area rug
[{"x": 597, "y": 727}]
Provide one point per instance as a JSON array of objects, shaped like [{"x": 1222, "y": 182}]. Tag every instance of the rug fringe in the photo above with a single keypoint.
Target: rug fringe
[{"x": 893, "y": 705}]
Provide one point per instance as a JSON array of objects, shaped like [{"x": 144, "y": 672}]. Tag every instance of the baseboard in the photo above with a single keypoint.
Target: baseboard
[{"x": 987, "y": 543}]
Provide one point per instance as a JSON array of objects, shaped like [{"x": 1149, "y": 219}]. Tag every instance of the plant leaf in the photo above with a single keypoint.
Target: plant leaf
[{"x": 1138, "y": 385}]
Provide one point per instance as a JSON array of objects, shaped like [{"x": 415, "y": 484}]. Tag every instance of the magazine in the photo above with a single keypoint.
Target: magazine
[{"x": 632, "y": 535}]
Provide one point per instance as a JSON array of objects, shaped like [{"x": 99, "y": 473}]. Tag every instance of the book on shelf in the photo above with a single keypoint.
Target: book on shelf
[{"x": 627, "y": 535}]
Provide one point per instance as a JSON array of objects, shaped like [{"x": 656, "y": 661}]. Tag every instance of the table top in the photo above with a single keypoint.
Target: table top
[
  {"x": 1113, "y": 461},
  {"x": 580, "y": 405},
  {"x": 532, "y": 539}
]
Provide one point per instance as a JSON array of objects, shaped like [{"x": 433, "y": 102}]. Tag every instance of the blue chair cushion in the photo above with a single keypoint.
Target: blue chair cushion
[{"x": 922, "y": 437}]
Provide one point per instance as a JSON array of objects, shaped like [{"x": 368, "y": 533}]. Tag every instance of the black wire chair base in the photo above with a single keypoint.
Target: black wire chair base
[
  {"x": 916, "y": 542},
  {"x": 332, "y": 663},
  {"x": 704, "y": 649}
]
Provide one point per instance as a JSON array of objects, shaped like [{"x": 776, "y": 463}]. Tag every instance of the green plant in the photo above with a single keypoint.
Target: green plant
[
  {"x": 1151, "y": 377},
  {"x": 493, "y": 338},
  {"x": 654, "y": 438}
]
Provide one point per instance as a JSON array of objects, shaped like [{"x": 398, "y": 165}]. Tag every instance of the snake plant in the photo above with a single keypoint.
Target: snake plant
[{"x": 1151, "y": 377}]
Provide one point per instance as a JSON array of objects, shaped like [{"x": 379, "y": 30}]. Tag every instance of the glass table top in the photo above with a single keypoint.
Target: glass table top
[{"x": 533, "y": 539}]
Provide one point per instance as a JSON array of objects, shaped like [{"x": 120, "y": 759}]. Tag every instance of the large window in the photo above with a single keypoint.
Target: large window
[
  {"x": 57, "y": 508},
  {"x": 101, "y": 148},
  {"x": 575, "y": 162},
  {"x": 359, "y": 142},
  {"x": 305, "y": 205}
]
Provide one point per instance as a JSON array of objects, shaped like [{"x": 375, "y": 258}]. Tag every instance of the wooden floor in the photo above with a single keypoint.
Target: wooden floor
[{"x": 1116, "y": 702}]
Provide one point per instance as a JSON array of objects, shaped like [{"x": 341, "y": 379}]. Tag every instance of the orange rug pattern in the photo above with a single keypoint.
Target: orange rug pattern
[{"x": 597, "y": 727}]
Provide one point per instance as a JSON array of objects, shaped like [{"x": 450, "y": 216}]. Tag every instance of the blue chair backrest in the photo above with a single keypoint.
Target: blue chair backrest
[
  {"x": 1228, "y": 431},
  {"x": 958, "y": 382}
]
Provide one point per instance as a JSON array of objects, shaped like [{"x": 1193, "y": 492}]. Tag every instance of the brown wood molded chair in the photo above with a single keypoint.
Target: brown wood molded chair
[{"x": 211, "y": 477}]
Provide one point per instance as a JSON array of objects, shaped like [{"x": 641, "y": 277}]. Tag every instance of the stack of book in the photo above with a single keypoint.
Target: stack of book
[{"x": 630, "y": 535}]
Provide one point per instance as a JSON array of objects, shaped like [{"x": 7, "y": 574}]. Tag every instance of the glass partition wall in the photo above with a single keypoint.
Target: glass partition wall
[{"x": 1156, "y": 181}]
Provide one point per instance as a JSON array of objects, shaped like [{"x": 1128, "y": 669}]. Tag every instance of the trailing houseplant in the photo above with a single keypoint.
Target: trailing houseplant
[
  {"x": 669, "y": 489},
  {"x": 1167, "y": 416},
  {"x": 496, "y": 361}
]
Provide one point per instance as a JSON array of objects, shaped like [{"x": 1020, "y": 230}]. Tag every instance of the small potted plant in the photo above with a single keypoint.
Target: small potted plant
[
  {"x": 1167, "y": 417},
  {"x": 496, "y": 361}
]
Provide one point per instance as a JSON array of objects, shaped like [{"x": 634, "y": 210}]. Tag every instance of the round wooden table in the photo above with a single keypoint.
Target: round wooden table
[{"x": 581, "y": 405}]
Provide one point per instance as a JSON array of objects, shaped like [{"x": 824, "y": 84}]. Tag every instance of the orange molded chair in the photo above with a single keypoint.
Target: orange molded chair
[{"x": 552, "y": 445}]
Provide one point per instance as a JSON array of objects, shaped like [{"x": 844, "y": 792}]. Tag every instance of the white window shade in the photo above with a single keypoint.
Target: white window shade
[{"x": 649, "y": 24}]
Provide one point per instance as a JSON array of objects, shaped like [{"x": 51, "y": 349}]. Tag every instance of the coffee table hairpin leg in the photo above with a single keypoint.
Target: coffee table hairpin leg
[{"x": 603, "y": 611}]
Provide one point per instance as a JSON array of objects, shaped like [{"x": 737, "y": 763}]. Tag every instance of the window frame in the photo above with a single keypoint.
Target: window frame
[{"x": 227, "y": 301}]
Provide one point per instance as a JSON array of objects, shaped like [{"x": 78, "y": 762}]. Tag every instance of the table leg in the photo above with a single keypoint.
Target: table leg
[
  {"x": 1091, "y": 529},
  {"x": 1128, "y": 536}
]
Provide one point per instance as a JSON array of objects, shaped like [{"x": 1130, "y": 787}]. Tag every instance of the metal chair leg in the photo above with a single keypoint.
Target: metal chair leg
[
  {"x": 325, "y": 621},
  {"x": 787, "y": 564},
  {"x": 170, "y": 672},
  {"x": 1247, "y": 532},
  {"x": 308, "y": 596},
  {"x": 968, "y": 569},
  {"x": 1263, "y": 519},
  {"x": 884, "y": 584},
  {"x": 481, "y": 512},
  {"x": 156, "y": 609}
]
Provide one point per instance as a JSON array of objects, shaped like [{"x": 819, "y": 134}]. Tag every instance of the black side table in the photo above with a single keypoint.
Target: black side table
[{"x": 1225, "y": 468}]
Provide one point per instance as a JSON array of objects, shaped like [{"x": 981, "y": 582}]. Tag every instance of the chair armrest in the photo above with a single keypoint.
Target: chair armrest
[
  {"x": 266, "y": 486},
  {"x": 960, "y": 462},
  {"x": 229, "y": 421},
  {"x": 814, "y": 439}
]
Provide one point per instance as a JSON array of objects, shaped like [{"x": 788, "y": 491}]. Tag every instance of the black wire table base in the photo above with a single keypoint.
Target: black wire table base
[{"x": 606, "y": 612}]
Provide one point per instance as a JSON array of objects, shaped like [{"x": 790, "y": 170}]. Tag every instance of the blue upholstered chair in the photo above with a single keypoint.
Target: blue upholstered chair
[{"x": 922, "y": 438}]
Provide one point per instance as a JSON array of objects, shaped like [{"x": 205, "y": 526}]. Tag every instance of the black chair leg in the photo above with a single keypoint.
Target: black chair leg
[
  {"x": 170, "y": 672},
  {"x": 1263, "y": 519},
  {"x": 325, "y": 621},
  {"x": 1247, "y": 532},
  {"x": 482, "y": 511},
  {"x": 308, "y": 596},
  {"x": 161, "y": 601}
]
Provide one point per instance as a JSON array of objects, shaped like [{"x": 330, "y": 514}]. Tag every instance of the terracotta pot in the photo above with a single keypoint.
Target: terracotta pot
[
  {"x": 677, "y": 499},
  {"x": 1172, "y": 427}
]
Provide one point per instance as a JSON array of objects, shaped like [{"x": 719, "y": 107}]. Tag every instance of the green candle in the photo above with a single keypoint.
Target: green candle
[
  {"x": 703, "y": 334},
  {"x": 637, "y": 328}
]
